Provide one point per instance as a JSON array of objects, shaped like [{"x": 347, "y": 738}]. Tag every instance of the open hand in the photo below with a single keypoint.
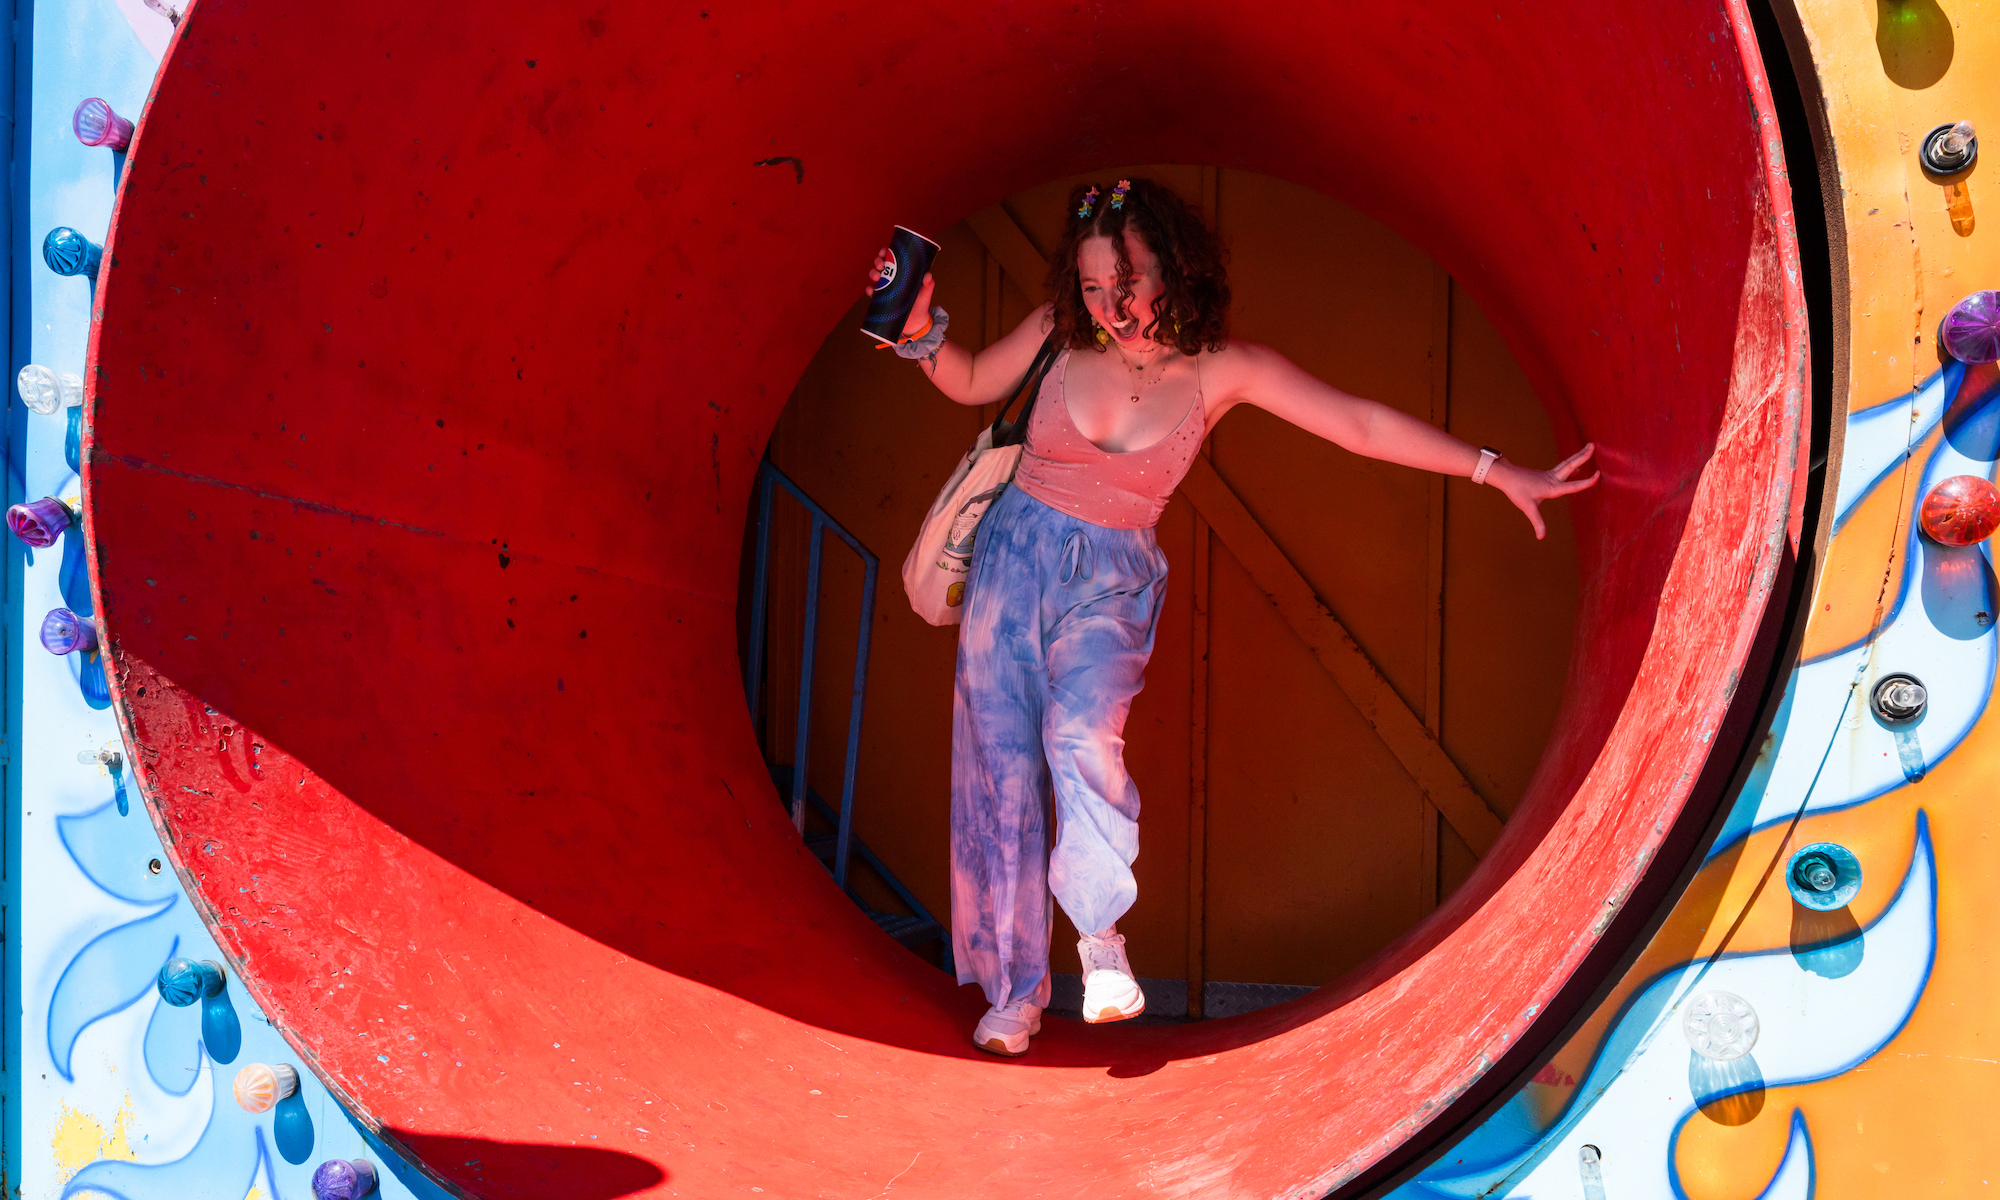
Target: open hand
[
  {"x": 920, "y": 312},
  {"x": 1527, "y": 487}
]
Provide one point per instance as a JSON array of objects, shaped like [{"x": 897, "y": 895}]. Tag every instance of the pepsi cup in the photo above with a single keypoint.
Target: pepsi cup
[{"x": 910, "y": 255}]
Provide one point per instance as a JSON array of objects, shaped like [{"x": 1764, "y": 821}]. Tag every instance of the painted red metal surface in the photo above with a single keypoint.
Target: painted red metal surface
[{"x": 436, "y": 348}]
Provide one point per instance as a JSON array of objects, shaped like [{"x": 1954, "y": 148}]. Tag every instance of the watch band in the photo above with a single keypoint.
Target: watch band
[{"x": 1487, "y": 457}]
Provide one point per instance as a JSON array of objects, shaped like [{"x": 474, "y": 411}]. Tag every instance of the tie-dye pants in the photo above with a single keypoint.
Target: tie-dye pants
[{"x": 1058, "y": 625}]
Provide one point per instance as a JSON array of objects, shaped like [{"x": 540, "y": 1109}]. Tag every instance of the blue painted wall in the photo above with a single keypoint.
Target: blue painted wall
[{"x": 109, "y": 1091}]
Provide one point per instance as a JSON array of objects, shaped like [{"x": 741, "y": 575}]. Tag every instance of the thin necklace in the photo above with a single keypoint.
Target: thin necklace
[{"x": 1137, "y": 375}]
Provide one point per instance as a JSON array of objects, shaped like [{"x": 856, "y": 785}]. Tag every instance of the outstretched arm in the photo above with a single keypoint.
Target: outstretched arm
[
  {"x": 1259, "y": 375},
  {"x": 983, "y": 378}
]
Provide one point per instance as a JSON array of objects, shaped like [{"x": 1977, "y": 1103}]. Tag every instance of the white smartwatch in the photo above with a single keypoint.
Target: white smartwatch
[{"x": 1487, "y": 457}]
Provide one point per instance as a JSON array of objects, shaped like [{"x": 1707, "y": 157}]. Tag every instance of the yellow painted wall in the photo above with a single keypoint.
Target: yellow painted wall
[{"x": 1915, "y": 1119}]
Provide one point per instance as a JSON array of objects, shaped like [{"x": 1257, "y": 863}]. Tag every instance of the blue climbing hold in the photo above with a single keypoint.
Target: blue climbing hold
[
  {"x": 70, "y": 253},
  {"x": 184, "y": 981},
  {"x": 1823, "y": 876}
]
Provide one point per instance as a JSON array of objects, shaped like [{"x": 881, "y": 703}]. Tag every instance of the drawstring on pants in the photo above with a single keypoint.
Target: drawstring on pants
[{"x": 1077, "y": 560}]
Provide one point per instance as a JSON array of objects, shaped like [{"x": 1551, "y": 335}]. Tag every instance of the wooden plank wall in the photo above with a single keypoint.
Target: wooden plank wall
[{"x": 1282, "y": 840}]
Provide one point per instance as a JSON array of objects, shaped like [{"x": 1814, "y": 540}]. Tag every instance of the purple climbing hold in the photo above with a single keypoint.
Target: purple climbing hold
[
  {"x": 1971, "y": 330},
  {"x": 96, "y": 125},
  {"x": 343, "y": 1179},
  {"x": 39, "y": 522},
  {"x": 63, "y": 632}
]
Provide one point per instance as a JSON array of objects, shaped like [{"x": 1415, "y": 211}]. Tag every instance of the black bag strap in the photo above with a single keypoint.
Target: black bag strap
[{"x": 1013, "y": 433}]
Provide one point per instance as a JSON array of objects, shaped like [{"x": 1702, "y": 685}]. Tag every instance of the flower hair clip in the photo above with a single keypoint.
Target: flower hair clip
[
  {"x": 1118, "y": 193},
  {"x": 1089, "y": 199}
]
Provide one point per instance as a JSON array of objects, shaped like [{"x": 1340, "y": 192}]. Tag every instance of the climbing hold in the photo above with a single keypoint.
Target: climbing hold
[
  {"x": 1951, "y": 148},
  {"x": 1824, "y": 875},
  {"x": 184, "y": 980},
  {"x": 70, "y": 253},
  {"x": 40, "y": 522},
  {"x": 1971, "y": 330},
  {"x": 1720, "y": 1025},
  {"x": 1590, "y": 1165},
  {"x": 111, "y": 760},
  {"x": 48, "y": 392},
  {"x": 1961, "y": 510},
  {"x": 343, "y": 1179},
  {"x": 1814, "y": 873},
  {"x": 63, "y": 632},
  {"x": 258, "y": 1086},
  {"x": 1897, "y": 698},
  {"x": 96, "y": 125}
]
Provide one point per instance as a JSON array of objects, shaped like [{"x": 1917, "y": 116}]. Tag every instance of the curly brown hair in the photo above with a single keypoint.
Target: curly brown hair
[{"x": 1195, "y": 307}]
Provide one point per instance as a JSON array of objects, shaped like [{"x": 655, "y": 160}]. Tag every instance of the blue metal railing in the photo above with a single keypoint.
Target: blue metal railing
[
  {"x": 769, "y": 479},
  {"x": 912, "y": 930},
  {"x": 919, "y": 926}
]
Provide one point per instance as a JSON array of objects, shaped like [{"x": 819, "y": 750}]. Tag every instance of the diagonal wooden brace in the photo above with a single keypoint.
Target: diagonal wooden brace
[
  {"x": 1398, "y": 727},
  {"x": 1011, "y": 248}
]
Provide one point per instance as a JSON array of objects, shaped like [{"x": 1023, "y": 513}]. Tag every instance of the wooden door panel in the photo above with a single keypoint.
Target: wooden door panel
[
  {"x": 1509, "y": 600},
  {"x": 1349, "y": 301},
  {"x": 1314, "y": 829},
  {"x": 1353, "y": 527}
]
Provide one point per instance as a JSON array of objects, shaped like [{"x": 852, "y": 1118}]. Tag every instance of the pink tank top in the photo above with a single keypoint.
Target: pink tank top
[{"x": 1070, "y": 473}]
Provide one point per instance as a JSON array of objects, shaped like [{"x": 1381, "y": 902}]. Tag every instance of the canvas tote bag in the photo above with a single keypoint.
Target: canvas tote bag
[{"x": 937, "y": 567}]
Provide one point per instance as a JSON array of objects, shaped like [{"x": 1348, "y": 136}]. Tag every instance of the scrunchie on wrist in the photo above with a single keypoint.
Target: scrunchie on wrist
[{"x": 927, "y": 343}]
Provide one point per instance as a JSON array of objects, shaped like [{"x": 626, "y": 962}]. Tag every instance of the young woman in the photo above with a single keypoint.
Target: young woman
[{"x": 1066, "y": 583}]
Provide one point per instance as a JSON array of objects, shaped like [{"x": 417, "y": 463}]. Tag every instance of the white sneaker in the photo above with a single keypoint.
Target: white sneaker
[
  {"x": 1109, "y": 991},
  {"x": 1006, "y": 1028}
]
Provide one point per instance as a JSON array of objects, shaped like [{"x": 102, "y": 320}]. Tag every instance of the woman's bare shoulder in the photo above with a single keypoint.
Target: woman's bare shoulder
[
  {"x": 1237, "y": 364},
  {"x": 1238, "y": 351}
]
